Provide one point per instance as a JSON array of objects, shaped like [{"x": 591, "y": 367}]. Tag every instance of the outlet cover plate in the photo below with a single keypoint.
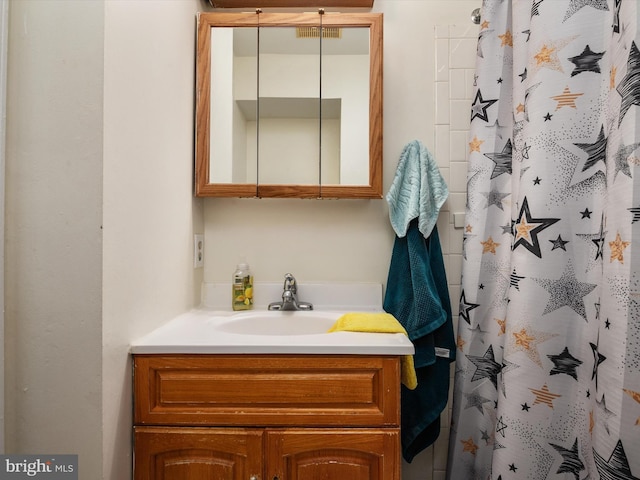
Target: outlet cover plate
[{"x": 198, "y": 250}]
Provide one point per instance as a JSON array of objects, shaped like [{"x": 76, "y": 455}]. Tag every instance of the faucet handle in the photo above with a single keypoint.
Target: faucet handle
[{"x": 290, "y": 283}]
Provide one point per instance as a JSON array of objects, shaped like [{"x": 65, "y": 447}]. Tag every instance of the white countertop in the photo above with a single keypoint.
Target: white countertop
[{"x": 208, "y": 331}]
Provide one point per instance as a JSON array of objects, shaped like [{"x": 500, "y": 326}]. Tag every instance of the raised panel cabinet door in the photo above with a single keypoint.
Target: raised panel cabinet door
[
  {"x": 197, "y": 453},
  {"x": 333, "y": 454}
]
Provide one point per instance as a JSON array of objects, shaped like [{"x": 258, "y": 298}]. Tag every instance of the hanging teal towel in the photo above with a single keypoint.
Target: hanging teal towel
[
  {"x": 417, "y": 294},
  {"x": 418, "y": 190}
]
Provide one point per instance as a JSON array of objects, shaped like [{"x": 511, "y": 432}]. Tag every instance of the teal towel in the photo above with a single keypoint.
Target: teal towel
[
  {"x": 418, "y": 190},
  {"x": 417, "y": 295}
]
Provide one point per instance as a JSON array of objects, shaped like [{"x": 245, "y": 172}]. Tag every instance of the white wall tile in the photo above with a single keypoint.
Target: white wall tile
[
  {"x": 442, "y": 59},
  {"x": 421, "y": 468},
  {"x": 442, "y": 143},
  {"x": 441, "y": 31},
  {"x": 459, "y": 114},
  {"x": 445, "y": 214},
  {"x": 456, "y": 319},
  {"x": 457, "y": 203},
  {"x": 442, "y": 103},
  {"x": 457, "y": 84},
  {"x": 443, "y": 233},
  {"x": 446, "y": 174},
  {"x": 440, "y": 449},
  {"x": 455, "y": 268},
  {"x": 464, "y": 30},
  {"x": 459, "y": 145},
  {"x": 462, "y": 53},
  {"x": 456, "y": 236},
  {"x": 458, "y": 177},
  {"x": 445, "y": 258},
  {"x": 444, "y": 419}
]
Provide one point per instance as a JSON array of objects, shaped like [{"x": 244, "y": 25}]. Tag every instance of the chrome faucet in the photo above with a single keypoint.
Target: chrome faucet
[{"x": 290, "y": 297}]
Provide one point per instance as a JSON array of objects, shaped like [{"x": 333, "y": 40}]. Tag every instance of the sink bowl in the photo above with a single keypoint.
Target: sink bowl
[{"x": 280, "y": 323}]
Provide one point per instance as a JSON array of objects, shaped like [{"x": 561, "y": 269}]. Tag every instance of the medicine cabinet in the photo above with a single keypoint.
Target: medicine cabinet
[
  {"x": 289, "y": 105},
  {"x": 290, "y": 3}
]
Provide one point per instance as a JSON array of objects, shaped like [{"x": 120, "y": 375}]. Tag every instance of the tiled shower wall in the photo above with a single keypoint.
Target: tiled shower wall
[{"x": 455, "y": 57}]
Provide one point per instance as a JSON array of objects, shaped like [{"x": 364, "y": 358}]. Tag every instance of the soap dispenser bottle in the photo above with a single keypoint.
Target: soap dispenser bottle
[{"x": 242, "y": 287}]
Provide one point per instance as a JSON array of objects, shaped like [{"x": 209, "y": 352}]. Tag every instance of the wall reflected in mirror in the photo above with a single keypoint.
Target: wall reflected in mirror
[
  {"x": 234, "y": 107},
  {"x": 310, "y": 123}
]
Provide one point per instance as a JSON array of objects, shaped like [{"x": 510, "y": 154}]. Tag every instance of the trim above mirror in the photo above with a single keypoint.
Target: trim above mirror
[
  {"x": 290, "y": 3},
  {"x": 205, "y": 186}
]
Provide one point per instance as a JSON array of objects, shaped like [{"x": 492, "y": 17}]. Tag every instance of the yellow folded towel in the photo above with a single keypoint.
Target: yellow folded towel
[{"x": 378, "y": 323}]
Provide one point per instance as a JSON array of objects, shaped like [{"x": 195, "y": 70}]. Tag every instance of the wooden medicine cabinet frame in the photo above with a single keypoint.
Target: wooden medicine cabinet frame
[
  {"x": 289, "y": 3},
  {"x": 203, "y": 186}
]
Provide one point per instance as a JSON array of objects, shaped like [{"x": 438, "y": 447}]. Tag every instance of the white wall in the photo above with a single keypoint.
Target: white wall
[
  {"x": 4, "y": 36},
  {"x": 100, "y": 133},
  {"x": 149, "y": 211},
  {"x": 53, "y": 256}
]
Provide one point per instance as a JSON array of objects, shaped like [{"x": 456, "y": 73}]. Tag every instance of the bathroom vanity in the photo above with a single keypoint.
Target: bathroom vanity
[{"x": 219, "y": 403}]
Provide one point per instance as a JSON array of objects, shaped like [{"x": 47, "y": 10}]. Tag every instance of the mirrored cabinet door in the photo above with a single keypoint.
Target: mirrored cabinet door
[
  {"x": 289, "y": 105},
  {"x": 233, "y": 106},
  {"x": 226, "y": 105},
  {"x": 345, "y": 98}
]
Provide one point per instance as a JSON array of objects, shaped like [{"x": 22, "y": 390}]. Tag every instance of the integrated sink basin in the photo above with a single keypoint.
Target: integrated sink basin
[
  {"x": 204, "y": 331},
  {"x": 280, "y": 323}
]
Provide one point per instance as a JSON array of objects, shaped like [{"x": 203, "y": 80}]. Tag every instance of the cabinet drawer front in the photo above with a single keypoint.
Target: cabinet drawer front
[{"x": 267, "y": 390}]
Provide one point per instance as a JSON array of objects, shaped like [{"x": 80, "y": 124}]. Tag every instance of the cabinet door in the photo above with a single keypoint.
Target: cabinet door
[
  {"x": 197, "y": 453},
  {"x": 333, "y": 454}
]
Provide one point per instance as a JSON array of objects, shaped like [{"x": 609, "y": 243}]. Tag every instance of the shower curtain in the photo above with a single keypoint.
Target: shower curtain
[{"x": 547, "y": 380}]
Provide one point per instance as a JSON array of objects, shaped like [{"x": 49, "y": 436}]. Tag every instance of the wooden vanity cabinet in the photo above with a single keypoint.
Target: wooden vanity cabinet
[{"x": 266, "y": 417}]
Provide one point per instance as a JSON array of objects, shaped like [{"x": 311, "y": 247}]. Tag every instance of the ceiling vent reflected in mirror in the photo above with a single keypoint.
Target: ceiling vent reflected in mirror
[
  {"x": 290, "y": 3},
  {"x": 314, "y": 32}
]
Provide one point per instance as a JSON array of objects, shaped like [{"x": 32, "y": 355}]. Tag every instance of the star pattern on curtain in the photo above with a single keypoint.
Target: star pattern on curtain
[
  {"x": 527, "y": 228},
  {"x": 576, "y": 5},
  {"x": 565, "y": 363},
  {"x": 616, "y": 467},
  {"x": 486, "y": 367},
  {"x": 571, "y": 462},
  {"x": 480, "y": 106},
  {"x": 548, "y": 369},
  {"x": 566, "y": 291},
  {"x": 587, "y": 61},
  {"x": 629, "y": 86}
]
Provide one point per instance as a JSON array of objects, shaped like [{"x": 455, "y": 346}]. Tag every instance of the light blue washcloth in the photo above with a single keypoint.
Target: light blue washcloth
[{"x": 418, "y": 190}]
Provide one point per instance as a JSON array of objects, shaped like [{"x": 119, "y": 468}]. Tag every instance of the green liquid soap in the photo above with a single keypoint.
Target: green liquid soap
[{"x": 242, "y": 288}]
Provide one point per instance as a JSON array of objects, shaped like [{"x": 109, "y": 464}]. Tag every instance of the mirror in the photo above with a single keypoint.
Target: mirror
[
  {"x": 289, "y": 130},
  {"x": 289, "y": 105}
]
